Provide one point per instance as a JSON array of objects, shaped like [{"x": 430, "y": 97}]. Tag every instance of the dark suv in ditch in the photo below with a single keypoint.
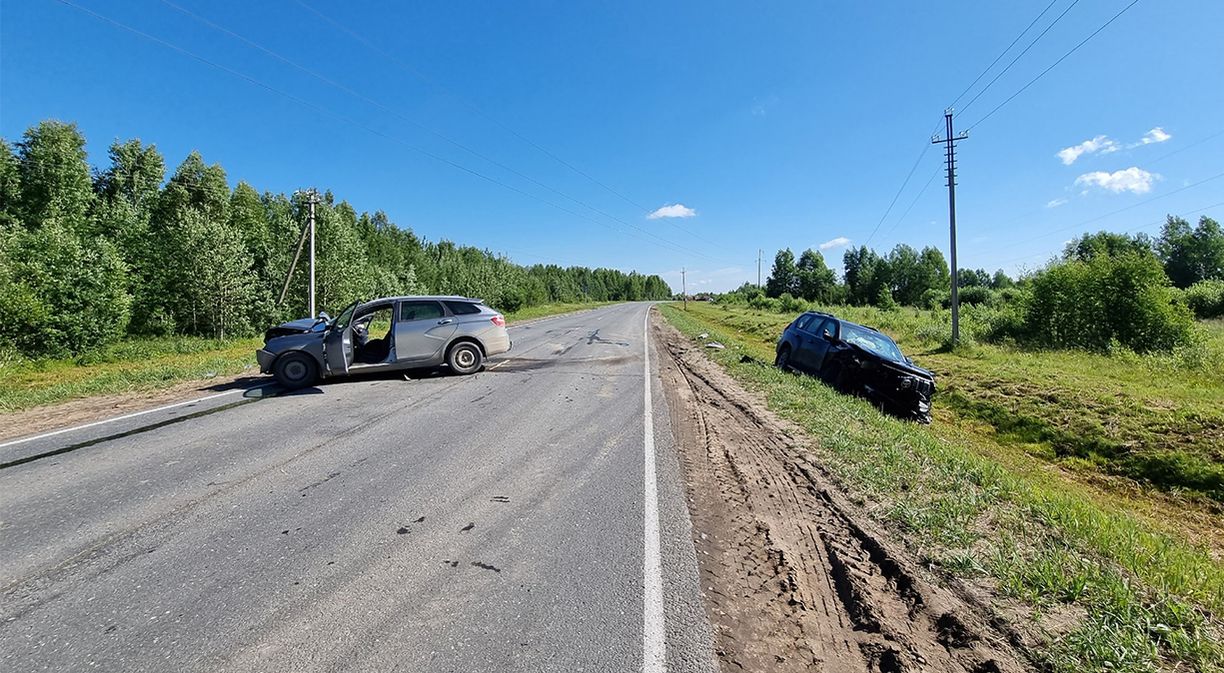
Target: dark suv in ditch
[{"x": 858, "y": 360}]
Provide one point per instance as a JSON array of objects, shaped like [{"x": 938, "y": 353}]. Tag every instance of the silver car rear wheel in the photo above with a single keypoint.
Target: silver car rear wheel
[{"x": 465, "y": 358}]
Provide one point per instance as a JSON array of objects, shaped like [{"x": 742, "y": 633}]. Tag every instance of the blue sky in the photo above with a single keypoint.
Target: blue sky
[{"x": 787, "y": 124}]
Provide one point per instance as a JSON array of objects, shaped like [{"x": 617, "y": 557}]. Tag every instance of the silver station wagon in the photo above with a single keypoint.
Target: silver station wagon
[{"x": 382, "y": 335}]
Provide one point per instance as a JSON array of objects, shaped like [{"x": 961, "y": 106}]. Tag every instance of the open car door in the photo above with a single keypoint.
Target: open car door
[{"x": 338, "y": 343}]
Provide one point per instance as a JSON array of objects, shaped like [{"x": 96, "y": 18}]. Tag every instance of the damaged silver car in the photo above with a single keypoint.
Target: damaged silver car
[{"x": 385, "y": 334}]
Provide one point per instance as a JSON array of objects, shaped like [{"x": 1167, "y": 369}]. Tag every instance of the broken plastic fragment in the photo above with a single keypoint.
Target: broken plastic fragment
[{"x": 715, "y": 344}]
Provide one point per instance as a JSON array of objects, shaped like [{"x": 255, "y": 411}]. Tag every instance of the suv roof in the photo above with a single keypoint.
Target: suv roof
[{"x": 843, "y": 320}]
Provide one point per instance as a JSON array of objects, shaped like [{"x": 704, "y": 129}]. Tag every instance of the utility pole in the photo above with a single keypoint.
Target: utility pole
[
  {"x": 308, "y": 230},
  {"x": 949, "y": 141},
  {"x": 684, "y": 287},
  {"x": 312, "y": 195},
  {"x": 759, "y": 253}
]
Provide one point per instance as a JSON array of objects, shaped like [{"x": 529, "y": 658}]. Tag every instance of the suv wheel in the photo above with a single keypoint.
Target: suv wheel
[
  {"x": 782, "y": 360},
  {"x": 295, "y": 370},
  {"x": 465, "y": 358}
]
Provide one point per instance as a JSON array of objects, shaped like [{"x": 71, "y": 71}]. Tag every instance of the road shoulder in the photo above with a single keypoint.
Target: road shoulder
[{"x": 795, "y": 577}]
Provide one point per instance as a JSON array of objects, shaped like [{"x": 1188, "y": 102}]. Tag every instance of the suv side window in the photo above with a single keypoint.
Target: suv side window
[
  {"x": 829, "y": 328},
  {"x": 420, "y": 310},
  {"x": 462, "y": 307},
  {"x": 802, "y": 322}
]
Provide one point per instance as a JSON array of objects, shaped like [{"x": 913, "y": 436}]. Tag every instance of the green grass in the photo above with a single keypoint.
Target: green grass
[
  {"x": 133, "y": 365},
  {"x": 144, "y": 365},
  {"x": 1148, "y": 600}
]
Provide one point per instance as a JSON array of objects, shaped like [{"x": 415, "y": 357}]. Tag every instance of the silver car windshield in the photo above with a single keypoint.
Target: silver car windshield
[{"x": 873, "y": 341}]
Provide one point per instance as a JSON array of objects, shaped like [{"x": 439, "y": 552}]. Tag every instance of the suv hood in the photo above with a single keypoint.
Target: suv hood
[{"x": 902, "y": 366}]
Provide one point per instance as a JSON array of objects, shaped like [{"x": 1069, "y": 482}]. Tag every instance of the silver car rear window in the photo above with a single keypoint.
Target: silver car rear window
[{"x": 462, "y": 307}]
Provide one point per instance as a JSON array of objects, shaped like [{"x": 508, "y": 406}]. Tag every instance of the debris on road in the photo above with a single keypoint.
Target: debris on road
[{"x": 715, "y": 345}]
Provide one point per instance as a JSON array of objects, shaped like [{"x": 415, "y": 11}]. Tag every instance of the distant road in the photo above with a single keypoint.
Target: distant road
[{"x": 490, "y": 523}]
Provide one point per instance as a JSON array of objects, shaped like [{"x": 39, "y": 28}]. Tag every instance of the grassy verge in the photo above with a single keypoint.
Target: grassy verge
[
  {"x": 142, "y": 365},
  {"x": 1110, "y": 591}
]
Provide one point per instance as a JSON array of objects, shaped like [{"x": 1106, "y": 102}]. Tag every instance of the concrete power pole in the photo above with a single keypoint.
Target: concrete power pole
[
  {"x": 684, "y": 287},
  {"x": 308, "y": 230},
  {"x": 949, "y": 141},
  {"x": 759, "y": 253},
  {"x": 312, "y": 195}
]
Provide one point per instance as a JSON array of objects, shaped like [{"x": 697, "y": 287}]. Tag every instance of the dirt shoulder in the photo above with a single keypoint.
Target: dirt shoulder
[
  {"x": 34, "y": 420},
  {"x": 795, "y": 578}
]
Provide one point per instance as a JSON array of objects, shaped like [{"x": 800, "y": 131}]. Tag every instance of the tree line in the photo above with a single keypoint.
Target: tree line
[
  {"x": 90, "y": 257},
  {"x": 1106, "y": 289}
]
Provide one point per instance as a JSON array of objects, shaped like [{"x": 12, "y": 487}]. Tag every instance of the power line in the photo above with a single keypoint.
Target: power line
[
  {"x": 396, "y": 114},
  {"x": 925, "y": 147},
  {"x": 472, "y": 107},
  {"x": 367, "y": 128},
  {"x": 1003, "y": 53},
  {"x": 914, "y": 202},
  {"x": 1055, "y": 64},
  {"x": 1022, "y": 53}
]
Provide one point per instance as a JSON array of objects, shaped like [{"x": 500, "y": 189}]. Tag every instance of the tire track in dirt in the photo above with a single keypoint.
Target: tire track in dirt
[{"x": 794, "y": 578}]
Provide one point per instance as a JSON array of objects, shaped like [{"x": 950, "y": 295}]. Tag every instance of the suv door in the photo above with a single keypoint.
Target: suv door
[
  {"x": 820, "y": 344},
  {"x": 422, "y": 329}
]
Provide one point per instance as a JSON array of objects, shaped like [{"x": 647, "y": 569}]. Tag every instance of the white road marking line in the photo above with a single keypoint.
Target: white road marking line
[
  {"x": 119, "y": 418},
  {"x": 654, "y": 645}
]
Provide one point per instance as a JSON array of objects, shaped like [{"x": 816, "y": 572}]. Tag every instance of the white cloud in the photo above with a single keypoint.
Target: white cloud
[
  {"x": 1156, "y": 135},
  {"x": 1133, "y": 179},
  {"x": 834, "y": 243},
  {"x": 1054, "y": 203},
  {"x": 1101, "y": 144},
  {"x": 672, "y": 210}
]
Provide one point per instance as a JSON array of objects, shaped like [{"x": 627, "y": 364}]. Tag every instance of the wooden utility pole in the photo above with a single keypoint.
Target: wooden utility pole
[
  {"x": 949, "y": 142},
  {"x": 684, "y": 287},
  {"x": 759, "y": 253}
]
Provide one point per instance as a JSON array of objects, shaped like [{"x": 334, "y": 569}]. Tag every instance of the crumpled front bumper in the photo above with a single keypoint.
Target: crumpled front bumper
[{"x": 265, "y": 360}]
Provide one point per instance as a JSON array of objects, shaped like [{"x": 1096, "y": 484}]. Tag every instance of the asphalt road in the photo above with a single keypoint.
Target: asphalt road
[{"x": 499, "y": 522}]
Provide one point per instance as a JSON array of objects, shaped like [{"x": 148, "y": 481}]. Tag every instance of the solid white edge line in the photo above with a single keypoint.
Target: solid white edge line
[
  {"x": 654, "y": 645},
  {"x": 119, "y": 418}
]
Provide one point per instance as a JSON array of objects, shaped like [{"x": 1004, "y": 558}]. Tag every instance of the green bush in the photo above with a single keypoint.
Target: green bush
[
  {"x": 977, "y": 295},
  {"x": 1091, "y": 304},
  {"x": 789, "y": 304},
  {"x": 762, "y": 303},
  {"x": 71, "y": 295},
  {"x": 935, "y": 298},
  {"x": 1206, "y": 298}
]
